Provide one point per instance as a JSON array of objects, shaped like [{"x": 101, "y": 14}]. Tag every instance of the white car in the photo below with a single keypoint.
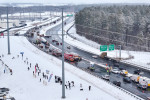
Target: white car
[
  {"x": 116, "y": 71},
  {"x": 95, "y": 56}
]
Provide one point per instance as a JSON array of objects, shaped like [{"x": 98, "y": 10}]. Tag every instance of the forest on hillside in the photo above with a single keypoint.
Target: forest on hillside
[{"x": 126, "y": 25}]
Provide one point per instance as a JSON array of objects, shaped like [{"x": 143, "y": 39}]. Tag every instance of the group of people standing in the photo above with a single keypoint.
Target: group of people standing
[
  {"x": 6, "y": 67},
  {"x": 69, "y": 84}
]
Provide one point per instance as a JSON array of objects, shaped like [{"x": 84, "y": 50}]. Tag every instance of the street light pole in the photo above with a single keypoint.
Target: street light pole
[
  {"x": 8, "y": 33},
  {"x": 63, "y": 73}
]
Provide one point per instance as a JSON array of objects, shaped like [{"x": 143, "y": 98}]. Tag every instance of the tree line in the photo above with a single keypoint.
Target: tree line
[{"x": 126, "y": 25}]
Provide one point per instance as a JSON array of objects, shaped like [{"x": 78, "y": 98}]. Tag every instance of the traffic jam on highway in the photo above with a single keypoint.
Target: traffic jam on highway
[{"x": 136, "y": 81}]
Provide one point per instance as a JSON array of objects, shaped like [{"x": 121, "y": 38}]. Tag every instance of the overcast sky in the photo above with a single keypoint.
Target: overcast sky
[{"x": 74, "y": 1}]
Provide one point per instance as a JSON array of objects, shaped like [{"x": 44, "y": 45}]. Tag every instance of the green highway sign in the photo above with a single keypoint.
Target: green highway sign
[
  {"x": 103, "y": 48},
  {"x": 70, "y": 15},
  {"x": 111, "y": 47}
]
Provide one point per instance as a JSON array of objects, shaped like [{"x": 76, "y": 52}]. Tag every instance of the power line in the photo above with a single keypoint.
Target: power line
[
  {"x": 107, "y": 32},
  {"x": 115, "y": 40}
]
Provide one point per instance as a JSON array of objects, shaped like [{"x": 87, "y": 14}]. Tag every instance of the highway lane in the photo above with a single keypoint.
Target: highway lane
[{"x": 98, "y": 70}]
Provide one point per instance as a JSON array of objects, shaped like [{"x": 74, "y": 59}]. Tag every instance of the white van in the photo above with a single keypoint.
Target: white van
[{"x": 135, "y": 78}]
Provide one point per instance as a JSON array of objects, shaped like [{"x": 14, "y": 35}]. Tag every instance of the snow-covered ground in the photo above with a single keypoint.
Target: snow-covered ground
[
  {"x": 24, "y": 86},
  {"x": 140, "y": 58}
]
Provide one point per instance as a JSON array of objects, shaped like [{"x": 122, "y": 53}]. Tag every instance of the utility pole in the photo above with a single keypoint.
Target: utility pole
[
  {"x": 63, "y": 72},
  {"x": 8, "y": 33}
]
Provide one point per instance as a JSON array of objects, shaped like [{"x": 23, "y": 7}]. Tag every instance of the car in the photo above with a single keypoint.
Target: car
[
  {"x": 95, "y": 56},
  {"x": 127, "y": 79},
  {"x": 116, "y": 64},
  {"x": 117, "y": 83},
  {"x": 105, "y": 77},
  {"x": 138, "y": 71},
  {"x": 57, "y": 43},
  {"x": 121, "y": 68},
  {"x": 46, "y": 46},
  {"x": 124, "y": 72},
  {"x": 144, "y": 87},
  {"x": 148, "y": 98},
  {"x": 115, "y": 70},
  {"x": 47, "y": 36},
  {"x": 4, "y": 89},
  {"x": 56, "y": 53},
  {"x": 68, "y": 47},
  {"x": 16, "y": 34},
  {"x": 53, "y": 40}
]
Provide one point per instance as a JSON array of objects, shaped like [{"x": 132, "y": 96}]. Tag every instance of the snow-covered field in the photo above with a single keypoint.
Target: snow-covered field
[{"x": 24, "y": 86}]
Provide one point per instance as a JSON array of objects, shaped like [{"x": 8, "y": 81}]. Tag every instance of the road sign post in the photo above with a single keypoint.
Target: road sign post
[
  {"x": 103, "y": 48},
  {"x": 111, "y": 47}
]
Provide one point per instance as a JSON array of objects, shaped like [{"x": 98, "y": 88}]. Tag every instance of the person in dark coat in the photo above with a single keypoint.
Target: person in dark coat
[
  {"x": 69, "y": 85},
  {"x": 60, "y": 82},
  {"x": 33, "y": 72},
  {"x": 72, "y": 83},
  {"x": 30, "y": 65},
  {"x": 89, "y": 88},
  {"x": 28, "y": 68},
  {"x": 66, "y": 86}
]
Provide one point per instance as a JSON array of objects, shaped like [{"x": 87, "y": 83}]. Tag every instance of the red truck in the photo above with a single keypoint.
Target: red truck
[
  {"x": 72, "y": 57},
  {"x": 68, "y": 57}
]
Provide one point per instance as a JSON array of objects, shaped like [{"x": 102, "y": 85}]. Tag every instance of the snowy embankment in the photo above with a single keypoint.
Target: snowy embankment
[
  {"x": 89, "y": 45},
  {"x": 140, "y": 59},
  {"x": 23, "y": 86}
]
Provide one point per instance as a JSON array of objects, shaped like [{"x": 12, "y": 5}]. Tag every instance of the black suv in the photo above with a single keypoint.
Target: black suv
[{"x": 117, "y": 83}]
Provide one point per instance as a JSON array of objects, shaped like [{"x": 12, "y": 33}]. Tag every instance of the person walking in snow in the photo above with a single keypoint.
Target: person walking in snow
[
  {"x": 40, "y": 79},
  {"x": 28, "y": 68},
  {"x": 72, "y": 83},
  {"x": 10, "y": 71},
  {"x": 35, "y": 68},
  {"x": 69, "y": 85},
  {"x": 61, "y": 82},
  {"x": 89, "y": 88},
  {"x": 30, "y": 65},
  {"x": 33, "y": 73},
  {"x": 66, "y": 86}
]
